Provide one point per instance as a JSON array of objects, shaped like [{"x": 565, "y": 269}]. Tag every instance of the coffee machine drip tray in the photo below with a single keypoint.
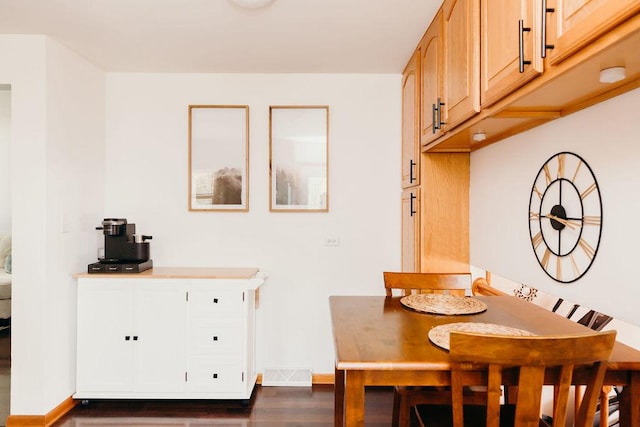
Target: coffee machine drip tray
[{"x": 119, "y": 267}]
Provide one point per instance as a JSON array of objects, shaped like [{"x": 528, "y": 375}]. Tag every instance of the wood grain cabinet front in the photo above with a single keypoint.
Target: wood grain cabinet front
[
  {"x": 411, "y": 230},
  {"x": 461, "y": 35},
  {"x": 411, "y": 122},
  {"x": 572, "y": 24},
  {"x": 510, "y": 53},
  {"x": 432, "y": 115}
]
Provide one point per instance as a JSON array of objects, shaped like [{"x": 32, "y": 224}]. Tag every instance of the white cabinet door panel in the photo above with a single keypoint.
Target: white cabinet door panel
[
  {"x": 160, "y": 342},
  {"x": 104, "y": 352}
]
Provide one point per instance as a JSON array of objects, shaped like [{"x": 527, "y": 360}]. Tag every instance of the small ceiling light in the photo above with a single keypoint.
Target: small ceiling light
[
  {"x": 479, "y": 136},
  {"x": 612, "y": 75},
  {"x": 251, "y": 4}
]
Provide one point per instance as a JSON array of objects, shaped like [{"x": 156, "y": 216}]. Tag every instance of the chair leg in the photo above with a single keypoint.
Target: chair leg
[
  {"x": 401, "y": 408},
  {"x": 604, "y": 406},
  {"x": 579, "y": 392},
  {"x": 396, "y": 408}
]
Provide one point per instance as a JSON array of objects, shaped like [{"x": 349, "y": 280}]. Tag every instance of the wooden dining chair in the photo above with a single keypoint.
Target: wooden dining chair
[
  {"x": 411, "y": 283},
  {"x": 523, "y": 360},
  {"x": 596, "y": 321}
]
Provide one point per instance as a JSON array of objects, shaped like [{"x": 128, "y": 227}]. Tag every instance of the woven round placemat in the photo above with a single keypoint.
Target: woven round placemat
[
  {"x": 443, "y": 304},
  {"x": 439, "y": 335}
]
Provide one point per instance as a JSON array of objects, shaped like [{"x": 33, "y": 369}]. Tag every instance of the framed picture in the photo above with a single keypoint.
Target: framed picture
[
  {"x": 298, "y": 158},
  {"x": 218, "y": 158}
]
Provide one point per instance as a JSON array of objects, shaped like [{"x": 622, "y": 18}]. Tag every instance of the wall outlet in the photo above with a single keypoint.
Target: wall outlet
[{"x": 332, "y": 241}]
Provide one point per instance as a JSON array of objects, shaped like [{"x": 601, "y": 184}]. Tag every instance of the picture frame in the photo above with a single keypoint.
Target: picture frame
[
  {"x": 299, "y": 158},
  {"x": 219, "y": 158}
]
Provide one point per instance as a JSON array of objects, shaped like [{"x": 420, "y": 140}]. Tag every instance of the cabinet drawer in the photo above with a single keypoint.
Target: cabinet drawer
[
  {"x": 216, "y": 304},
  {"x": 216, "y": 376},
  {"x": 215, "y": 340}
]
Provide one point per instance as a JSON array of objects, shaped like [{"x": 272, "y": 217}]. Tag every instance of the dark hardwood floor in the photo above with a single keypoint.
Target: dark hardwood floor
[{"x": 269, "y": 406}]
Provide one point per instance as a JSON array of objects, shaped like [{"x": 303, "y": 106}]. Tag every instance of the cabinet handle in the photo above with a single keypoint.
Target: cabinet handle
[
  {"x": 545, "y": 10},
  {"x": 439, "y": 108},
  {"x": 522, "y": 29},
  {"x": 127, "y": 337},
  {"x": 215, "y": 300},
  {"x": 411, "y": 166},
  {"x": 215, "y": 338},
  {"x": 411, "y": 210},
  {"x": 135, "y": 338},
  {"x": 214, "y": 376},
  {"x": 434, "y": 127}
]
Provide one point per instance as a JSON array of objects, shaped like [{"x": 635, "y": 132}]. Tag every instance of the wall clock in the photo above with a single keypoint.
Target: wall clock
[{"x": 565, "y": 217}]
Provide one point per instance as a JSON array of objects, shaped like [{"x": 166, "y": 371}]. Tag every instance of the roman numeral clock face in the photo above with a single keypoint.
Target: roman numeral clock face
[{"x": 565, "y": 217}]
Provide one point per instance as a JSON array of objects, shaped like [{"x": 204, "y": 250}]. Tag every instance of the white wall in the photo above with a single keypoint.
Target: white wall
[
  {"x": 23, "y": 67},
  {"x": 147, "y": 183},
  {"x": 57, "y": 141},
  {"x": 75, "y": 97},
  {"x": 5, "y": 158},
  {"x": 606, "y": 136}
]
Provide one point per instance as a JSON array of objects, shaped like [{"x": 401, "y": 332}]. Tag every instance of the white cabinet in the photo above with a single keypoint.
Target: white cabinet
[{"x": 166, "y": 337}]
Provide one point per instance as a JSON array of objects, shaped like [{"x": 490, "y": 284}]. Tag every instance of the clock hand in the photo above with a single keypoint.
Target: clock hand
[
  {"x": 569, "y": 223},
  {"x": 560, "y": 241}
]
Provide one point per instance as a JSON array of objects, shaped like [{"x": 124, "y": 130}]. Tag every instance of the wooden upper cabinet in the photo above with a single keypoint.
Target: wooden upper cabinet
[
  {"x": 411, "y": 123},
  {"x": 510, "y": 47},
  {"x": 575, "y": 23},
  {"x": 431, "y": 73},
  {"x": 461, "y": 35}
]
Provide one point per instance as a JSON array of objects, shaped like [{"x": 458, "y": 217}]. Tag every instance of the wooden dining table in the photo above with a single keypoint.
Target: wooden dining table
[{"x": 380, "y": 342}]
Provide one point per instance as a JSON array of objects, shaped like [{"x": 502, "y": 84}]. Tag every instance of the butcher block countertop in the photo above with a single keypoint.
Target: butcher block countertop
[{"x": 182, "y": 273}]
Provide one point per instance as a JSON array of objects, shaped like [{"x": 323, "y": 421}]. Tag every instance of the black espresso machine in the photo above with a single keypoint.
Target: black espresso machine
[{"x": 124, "y": 251}]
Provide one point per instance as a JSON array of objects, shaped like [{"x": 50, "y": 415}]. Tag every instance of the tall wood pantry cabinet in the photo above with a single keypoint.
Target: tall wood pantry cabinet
[
  {"x": 445, "y": 70},
  {"x": 411, "y": 164},
  {"x": 167, "y": 333}
]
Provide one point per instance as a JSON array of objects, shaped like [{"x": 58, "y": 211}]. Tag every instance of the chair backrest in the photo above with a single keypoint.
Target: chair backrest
[
  {"x": 531, "y": 357},
  {"x": 592, "y": 319},
  {"x": 408, "y": 283}
]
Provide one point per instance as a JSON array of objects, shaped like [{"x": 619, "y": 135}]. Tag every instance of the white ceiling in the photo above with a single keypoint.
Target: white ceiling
[{"x": 215, "y": 36}]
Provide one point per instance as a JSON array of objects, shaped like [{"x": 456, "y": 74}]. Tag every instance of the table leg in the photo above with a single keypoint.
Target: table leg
[
  {"x": 338, "y": 391},
  {"x": 630, "y": 402},
  {"x": 354, "y": 399}
]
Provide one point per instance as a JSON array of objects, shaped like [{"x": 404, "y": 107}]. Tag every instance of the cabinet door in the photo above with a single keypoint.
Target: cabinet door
[
  {"x": 104, "y": 322},
  {"x": 411, "y": 123},
  {"x": 575, "y": 23},
  {"x": 461, "y": 29},
  {"x": 411, "y": 230},
  {"x": 431, "y": 81},
  {"x": 159, "y": 336},
  {"x": 505, "y": 49}
]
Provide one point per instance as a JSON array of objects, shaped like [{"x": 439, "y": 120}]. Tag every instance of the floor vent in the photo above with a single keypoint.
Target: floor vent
[{"x": 287, "y": 377}]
